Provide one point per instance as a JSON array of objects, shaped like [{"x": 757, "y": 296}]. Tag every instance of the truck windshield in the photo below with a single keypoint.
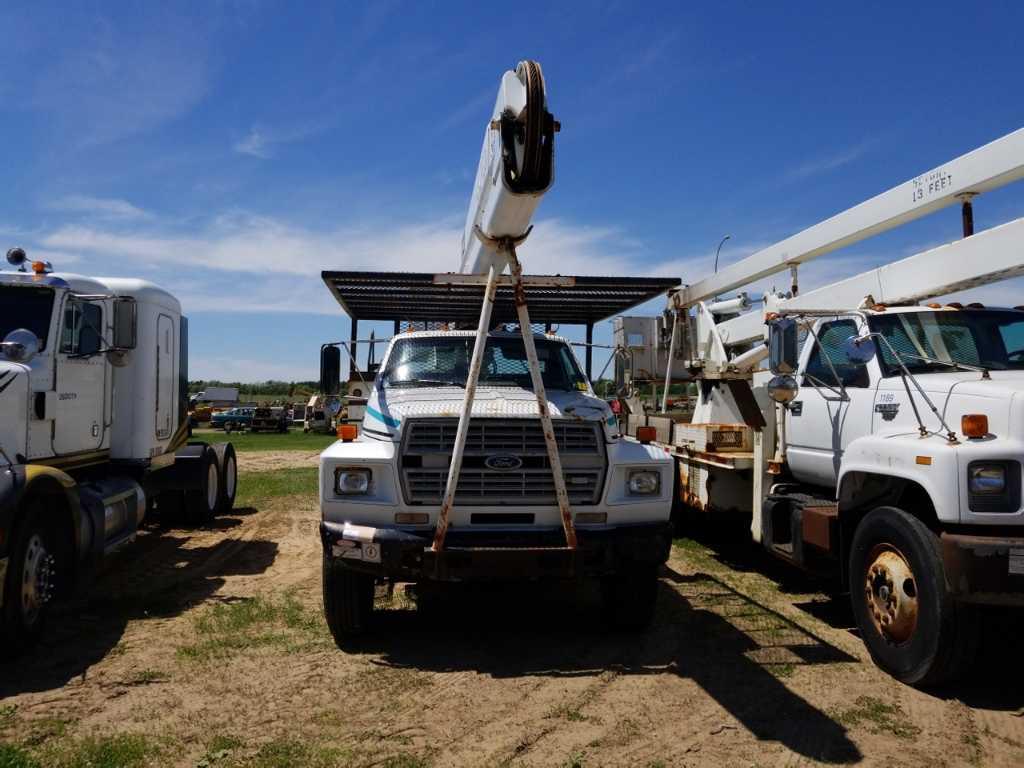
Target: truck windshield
[
  {"x": 29, "y": 308},
  {"x": 444, "y": 360},
  {"x": 987, "y": 338}
]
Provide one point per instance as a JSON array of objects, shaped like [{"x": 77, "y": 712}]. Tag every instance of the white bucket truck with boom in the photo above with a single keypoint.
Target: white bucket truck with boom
[
  {"x": 93, "y": 432},
  {"x": 484, "y": 454},
  {"x": 887, "y": 449}
]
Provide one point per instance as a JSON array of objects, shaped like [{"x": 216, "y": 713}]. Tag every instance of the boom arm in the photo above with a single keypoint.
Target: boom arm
[
  {"x": 993, "y": 165},
  {"x": 516, "y": 169}
]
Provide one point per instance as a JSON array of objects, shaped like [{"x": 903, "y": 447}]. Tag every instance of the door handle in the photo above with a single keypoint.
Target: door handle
[{"x": 796, "y": 407}]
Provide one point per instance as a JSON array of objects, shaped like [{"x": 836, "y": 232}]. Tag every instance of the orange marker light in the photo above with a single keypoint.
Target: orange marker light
[
  {"x": 974, "y": 424},
  {"x": 39, "y": 267},
  {"x": 348, "y": 432},
  {"x": 646, "y": 434}
]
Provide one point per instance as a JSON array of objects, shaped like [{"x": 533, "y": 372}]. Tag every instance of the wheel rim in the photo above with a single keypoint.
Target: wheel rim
[
  {"x": 37, "y": 579},
  {"x": 211, "y": 486},
  {"x": 230, "y": 478},
  {"x": 890, "y": 591}
]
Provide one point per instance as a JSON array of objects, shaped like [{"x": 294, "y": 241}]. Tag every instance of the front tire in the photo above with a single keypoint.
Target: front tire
[
  {"x": 911, "y": 625},
  {"x": 348, "y": 602},
  {"x": 629, "y": 597},
  {"x": 30, "y": 585}
]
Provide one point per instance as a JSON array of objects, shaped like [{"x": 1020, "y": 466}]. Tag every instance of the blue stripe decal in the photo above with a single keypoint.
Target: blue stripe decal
[{"x": 386, "y": 420}]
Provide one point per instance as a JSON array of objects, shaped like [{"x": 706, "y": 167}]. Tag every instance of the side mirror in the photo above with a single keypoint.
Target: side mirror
[
  {"x": 125, "y": 323},
  {"x": 858, "y": 349},
  {"x": 783, "y": 345},
  {"x": 330, "y": 370},
  {"x": 783, "y": 388},
  {"x": 20, "y": 345}
]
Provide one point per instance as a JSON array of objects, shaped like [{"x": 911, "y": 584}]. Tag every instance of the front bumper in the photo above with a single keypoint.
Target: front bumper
[
  {"x": 984, "y": 569},
  {"x": 496, "y": 555}
]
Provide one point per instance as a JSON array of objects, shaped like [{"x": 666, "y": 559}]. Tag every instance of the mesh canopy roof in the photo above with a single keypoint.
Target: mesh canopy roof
[{"x": 417, "y": 296}]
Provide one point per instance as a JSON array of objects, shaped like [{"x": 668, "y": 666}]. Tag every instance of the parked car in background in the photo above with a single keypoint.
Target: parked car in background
[{"x": 232, "y": 419}]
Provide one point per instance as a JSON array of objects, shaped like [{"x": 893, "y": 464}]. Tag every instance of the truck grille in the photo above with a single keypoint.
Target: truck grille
[{"x": 428, "y": 444}]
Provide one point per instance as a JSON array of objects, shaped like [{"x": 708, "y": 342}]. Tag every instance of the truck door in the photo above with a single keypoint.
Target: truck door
[
  {"x": 827, "y": 414},
  {"x": 81, "y": 373},
  {"x": 165, "y": 405}
]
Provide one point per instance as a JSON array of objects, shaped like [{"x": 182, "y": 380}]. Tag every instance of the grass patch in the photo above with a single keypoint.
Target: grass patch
[
  {"x": 44, "y": 729},
  {"x": 297, "y": 754},
  {"x": 575, "y": 760},
  {"x": 16, "y": 757},
  {"x": 570, "y": 712},
  {"x": 878, "y": 717},
  {"x": 125, "y": 750},
  {"x": 231, "y": 628},
  {"x": 147, "y": 676},
  {"x": 256, "y": 487},
  {"x": 245, "y": 442}
]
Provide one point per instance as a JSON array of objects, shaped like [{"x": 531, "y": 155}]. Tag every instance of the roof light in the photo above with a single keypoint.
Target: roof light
[
  {"x": 41, "y": 267},
  {"x": 974, "y": 424},
  {"x": 348, "y": 432},
  {"x": 646, "y": 434}
]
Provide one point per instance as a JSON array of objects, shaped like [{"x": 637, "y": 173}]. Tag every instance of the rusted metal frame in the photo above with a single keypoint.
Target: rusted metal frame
[
  {"x": 467, "y": 407},
  {"x": 554, "y": 459}
]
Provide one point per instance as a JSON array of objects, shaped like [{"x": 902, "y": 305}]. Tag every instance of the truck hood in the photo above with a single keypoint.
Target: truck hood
[
  {"x": 387, "y": 409},
  {"x": 13, "y": 409},
  {"x": 955, "y": 394},
  {"x": 1001, "y": 384}
]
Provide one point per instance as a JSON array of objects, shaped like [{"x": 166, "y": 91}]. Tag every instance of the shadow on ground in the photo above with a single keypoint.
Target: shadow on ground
[
  {"x": 995, "y": 680},
  {"x": 157, "y": 577},
  {"x": 734, "y": 648}
]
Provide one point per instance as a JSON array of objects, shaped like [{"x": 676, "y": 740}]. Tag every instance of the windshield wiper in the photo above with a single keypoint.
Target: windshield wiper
[{"x": 426, "y": 382}]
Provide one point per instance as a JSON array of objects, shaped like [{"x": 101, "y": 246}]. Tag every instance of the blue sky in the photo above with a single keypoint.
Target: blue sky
[{"x": 230, "y": 151}]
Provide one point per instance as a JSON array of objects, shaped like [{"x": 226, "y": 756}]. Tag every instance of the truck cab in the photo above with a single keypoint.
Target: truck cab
[
  {"x": 93, "y": 431},
  {"x": 381, "y": 492}
]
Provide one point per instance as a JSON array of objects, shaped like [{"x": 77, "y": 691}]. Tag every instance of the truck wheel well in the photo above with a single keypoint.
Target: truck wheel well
[
  {"x": 47, "y": 499},
  {"x": 862, "y": 492}
]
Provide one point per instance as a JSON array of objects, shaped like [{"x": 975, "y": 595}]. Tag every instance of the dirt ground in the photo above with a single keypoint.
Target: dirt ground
[{"x": 211, "y": 646}]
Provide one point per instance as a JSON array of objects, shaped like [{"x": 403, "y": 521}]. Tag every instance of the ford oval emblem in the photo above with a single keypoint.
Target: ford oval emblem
[{"x": 503, "y": 462}]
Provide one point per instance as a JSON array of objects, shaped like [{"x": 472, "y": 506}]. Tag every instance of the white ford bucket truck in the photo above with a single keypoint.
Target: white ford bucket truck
[
  {"x": 485, "y": 454},
  {"x": 382, "y": 492},
  {"x": 887, "y": 449},
  {"x": 93, "y": 431}
]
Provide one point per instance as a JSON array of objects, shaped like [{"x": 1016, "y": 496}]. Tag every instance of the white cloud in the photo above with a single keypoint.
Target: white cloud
[
  {"x": 117, "y": 83},
  {"x": 246, "y": 243},
  {"x": 254, "y": 144},
  {"x": 826, "y": 163},
  {"x": 260, "y": 141},
  {"x": 100, "y": 207}
]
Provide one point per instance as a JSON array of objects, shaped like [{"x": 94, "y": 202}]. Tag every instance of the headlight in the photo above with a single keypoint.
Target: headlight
[
  {"x": 352, "y": 481},
  {"x": 643, "y": 482},
  {"x": 986, "y": 478}
]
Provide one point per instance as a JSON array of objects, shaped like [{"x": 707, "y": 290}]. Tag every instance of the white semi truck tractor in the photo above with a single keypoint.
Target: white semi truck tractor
[{"x": 93, "y": 432}]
